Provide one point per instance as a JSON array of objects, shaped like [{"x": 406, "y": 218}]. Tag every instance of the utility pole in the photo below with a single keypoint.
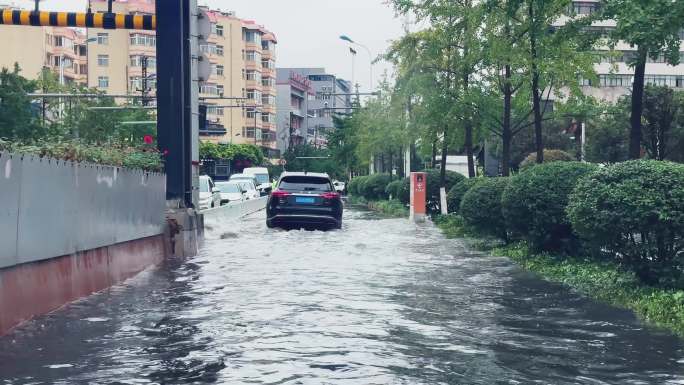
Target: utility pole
[{"x": 143, "y": 91}]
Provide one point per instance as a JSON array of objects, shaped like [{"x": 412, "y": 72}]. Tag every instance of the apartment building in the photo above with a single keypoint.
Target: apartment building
[
  {"x": 614, "y": 74},
  {"x": 294, "y": 92},
  {"x": 240, "y": 92},
  {"x": 61, "y": 50},
  {"x": 328, "y": 95}
]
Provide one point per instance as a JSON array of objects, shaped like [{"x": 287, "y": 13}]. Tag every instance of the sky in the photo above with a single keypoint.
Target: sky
[{"x": 308, "y": 30}]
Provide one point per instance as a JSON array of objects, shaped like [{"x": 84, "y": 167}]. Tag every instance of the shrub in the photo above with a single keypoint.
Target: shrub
[
  {"x": 481, "y": 207},
  {"x": 549, "y": 156},
  {"x": 354, "y": 184},
  {"x": 373, "y": 188},
  {"x": 405, "y": 191},
  {"x": 394, "y": 189},
  {"x": 634, "y": 212},
  {"x": 534, "y": 204},
  {"x": 432, "y": 193},
  {"x": 457, "y": 192}
]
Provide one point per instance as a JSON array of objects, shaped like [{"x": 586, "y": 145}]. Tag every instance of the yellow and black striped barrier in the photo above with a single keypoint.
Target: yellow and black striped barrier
[{"x": 74, "y": 19}]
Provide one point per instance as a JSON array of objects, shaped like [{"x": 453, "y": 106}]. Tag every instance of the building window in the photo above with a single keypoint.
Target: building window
[
  {"x": 268, "y": 118},
  {"x": 213, "y": 110},
  {"x": 209, "y": 88},
  {"x": 253, "y": 75},
  {"x": 254, "y": 95},
  {"x": 267, "y": 63},
  {"x": 83, "y": 69},
  {"x": 253, "y": 37},
  {"x": 268, "y": 100},
  {"x": 219, "y": 50},
  {"x": 268, "y": 82},
  {"x": 103, "y": 60},
  {"x": 103, "y": 38},
  {"x": 137, "y": 61},
  {"x": 139, "y": 39},
  {"x": 615, "y": 80},
  {"x": 217, "y": 29},
  {"x": 135, "y": 83},
  {"x": 584, "y": 8},
  {"x": 253, "y": 56},
  {"x": 248, "y": 132},
  {"x": 103, "y": 81},
  {"x": 217, "y": 69}
]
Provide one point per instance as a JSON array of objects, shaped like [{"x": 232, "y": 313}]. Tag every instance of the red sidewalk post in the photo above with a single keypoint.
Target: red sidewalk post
[{"x": 418, "y": 195}]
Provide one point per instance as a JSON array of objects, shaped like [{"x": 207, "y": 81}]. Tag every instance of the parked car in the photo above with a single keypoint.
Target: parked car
[
  {"x": 262, "y": 177},
  {"x": 209, "y": 195},
  {"x": 304, "y": 200},
  {"x": 340, "y": 186},
  {"x": 231, "y": 192},
  {"x": 250, "y": 190},
  {"x": 244, "y": 177}
]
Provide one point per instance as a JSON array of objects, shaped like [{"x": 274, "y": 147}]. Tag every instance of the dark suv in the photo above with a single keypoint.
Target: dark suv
[{"x": 304, "y": 200}]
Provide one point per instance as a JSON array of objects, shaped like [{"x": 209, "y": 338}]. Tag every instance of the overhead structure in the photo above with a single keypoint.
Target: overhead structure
[
  {"x": 178, "y": 98},
  {"x": 107, "y": 20}
]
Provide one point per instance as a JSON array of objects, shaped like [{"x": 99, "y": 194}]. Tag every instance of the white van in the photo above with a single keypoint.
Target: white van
[{"x": 262, "y": 177}]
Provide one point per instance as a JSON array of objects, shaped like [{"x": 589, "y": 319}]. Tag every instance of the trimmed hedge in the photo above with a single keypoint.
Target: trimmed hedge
[
  {"x": 432, "y": 196},
  {"x": 353, "y": 185},
  {"x": 457, "y": 192},
  {"x": 481, "y": 207},
  {"x": 534, "y": 204},
  {"x": 374, "y": 186},
  {"x": 393, "y": 190},
  {"x": 549, "y": 156},
  {"x": 633, "y": 212}
]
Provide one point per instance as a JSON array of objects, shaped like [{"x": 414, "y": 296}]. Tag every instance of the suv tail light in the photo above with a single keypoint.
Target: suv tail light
[
  {"x": 280, "y": 195},
  {"x": 330, "y": 196}
]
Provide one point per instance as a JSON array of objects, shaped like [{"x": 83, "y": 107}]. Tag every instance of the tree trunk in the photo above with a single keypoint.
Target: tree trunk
[
  {"x": 536, "y": 93},
  {"x": 637, "y": 105},
  {"x": 443, "y": 161},
  {"x": 468, "y": 121},
  {"x": 506, "y": 135},
  {"x": 469, "y": 148},
  {"x": 434, "y": 153}
]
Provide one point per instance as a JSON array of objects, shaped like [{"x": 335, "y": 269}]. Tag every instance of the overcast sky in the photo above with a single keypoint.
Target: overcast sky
[{"x": 307, "y": 30}]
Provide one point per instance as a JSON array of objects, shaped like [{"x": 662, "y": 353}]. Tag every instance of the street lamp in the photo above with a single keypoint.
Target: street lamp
[{"x": 370, "y": 55}]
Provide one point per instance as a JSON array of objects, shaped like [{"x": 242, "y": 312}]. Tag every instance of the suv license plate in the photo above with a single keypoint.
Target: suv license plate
[{"x": 305, "y": 200}]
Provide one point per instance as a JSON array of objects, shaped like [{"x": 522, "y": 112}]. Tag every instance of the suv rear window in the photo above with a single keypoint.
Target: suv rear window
[{"x": 305, "y": 183}]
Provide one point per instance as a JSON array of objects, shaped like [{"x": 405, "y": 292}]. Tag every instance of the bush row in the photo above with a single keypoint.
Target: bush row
[
  {"x": 631, "y": 213},
  {"x": 381, "y": 186}
]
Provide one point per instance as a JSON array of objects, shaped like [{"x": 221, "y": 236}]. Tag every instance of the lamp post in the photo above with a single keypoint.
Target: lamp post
[
  {"x": 88, "y": 40},
  {"x": 370, "y": 55}
]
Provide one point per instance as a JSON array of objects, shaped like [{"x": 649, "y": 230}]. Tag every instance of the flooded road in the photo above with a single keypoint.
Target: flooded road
[{"x": 379, "y": 302}]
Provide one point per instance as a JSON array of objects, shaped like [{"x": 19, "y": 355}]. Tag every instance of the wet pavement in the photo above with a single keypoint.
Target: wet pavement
[{"x": 379, "y": 302}]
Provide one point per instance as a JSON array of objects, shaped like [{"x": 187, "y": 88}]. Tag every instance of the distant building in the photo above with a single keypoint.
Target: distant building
[
  {"x": 61, "y": 50},
  {"x": 294, "y": 94},
  {"x": 615, "y": 77},
  {"x": 242, "y": 54},
  {"x": 330, "y": 95}
]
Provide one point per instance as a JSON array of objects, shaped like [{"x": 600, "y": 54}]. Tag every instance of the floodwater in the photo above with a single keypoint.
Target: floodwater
[{"x": 380, "y": 302}]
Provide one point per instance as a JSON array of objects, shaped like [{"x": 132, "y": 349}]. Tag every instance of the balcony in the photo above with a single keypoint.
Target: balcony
[{"x": 213, "y": 129}]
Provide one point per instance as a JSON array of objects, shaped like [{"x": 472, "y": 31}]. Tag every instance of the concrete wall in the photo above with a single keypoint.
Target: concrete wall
[
  {"x": 55, "y": 208},
  {"x": 233, "y": 211}
]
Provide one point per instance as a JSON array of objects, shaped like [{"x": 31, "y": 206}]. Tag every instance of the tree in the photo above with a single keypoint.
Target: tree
[
  {"x": 18, "y": 118},
  {"x": 446, "y": 56},
  {"x": 556, "y": 56},
  {"x": 661, "y": 109},
  {"x": 652, "y": 26}
]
